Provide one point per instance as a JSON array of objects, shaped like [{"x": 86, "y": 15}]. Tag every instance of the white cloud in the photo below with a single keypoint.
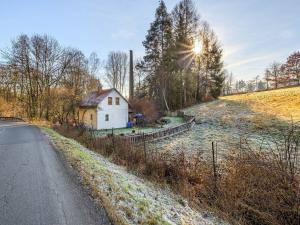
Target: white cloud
[
  {"x": 230, "y": 50},
  {"x": 269, "y": 57}
]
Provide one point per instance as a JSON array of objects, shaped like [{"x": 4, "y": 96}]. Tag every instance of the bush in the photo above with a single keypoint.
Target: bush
[
  {"x": 147, "y": 107},
  {"x": 254, "y": 190},
  {"x": 10, "y": 108}
]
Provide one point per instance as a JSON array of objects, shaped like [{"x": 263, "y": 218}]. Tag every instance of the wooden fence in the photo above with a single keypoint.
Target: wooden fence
[
  {"x": 163, "y": 133},
  {"x": 81, "y": 129}
]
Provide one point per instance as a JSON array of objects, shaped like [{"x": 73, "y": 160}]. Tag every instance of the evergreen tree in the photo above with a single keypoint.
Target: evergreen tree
[
  {"x": 217, "y": 73},
  {"x": 176, "y": 75},
  {"x": 157, "y": 58},
  {"x": 186, "y": 22}
]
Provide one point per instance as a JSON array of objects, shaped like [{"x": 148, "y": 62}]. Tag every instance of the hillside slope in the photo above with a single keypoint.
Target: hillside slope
[
  {"x": 251, "y": 120},
  {"x": 281, "y": 103}
]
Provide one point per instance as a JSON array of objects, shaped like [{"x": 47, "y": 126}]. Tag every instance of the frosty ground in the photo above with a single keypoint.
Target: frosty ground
[
  {"x": 252, "y": 120},
  {"x": 129, "y": 199}
]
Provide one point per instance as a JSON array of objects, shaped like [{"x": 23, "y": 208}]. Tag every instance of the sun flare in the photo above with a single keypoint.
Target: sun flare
[{"x": 197, "y": 47}]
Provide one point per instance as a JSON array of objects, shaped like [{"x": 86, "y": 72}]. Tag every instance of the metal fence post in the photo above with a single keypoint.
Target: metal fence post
[
  {"x": 145, "y": 153},
  {"x": 214, "y": 166}
]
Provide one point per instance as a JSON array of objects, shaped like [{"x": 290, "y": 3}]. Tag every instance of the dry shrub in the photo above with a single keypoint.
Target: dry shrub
[
  {"x": 208, "y": 98},
  {"x": 9, "y": 108},
  {"x": 126, "y": 154},
  {"x": 254, "y": 190},
  {"x": 147, "y": 107},
  {"x": 250, "y": 188}
]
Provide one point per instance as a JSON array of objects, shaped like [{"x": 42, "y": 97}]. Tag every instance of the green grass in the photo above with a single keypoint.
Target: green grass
[{"x": 174, "y": 121}]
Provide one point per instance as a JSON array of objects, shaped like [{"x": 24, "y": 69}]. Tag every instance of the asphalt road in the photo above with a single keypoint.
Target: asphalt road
[{"x": 36, "y": 185}]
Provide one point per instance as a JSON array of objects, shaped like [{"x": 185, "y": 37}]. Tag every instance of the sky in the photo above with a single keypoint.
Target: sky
[{"x": 253, "y": 33}]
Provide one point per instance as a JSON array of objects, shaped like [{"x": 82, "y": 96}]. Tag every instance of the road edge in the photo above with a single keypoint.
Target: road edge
[{"x": 85, "y": 180}]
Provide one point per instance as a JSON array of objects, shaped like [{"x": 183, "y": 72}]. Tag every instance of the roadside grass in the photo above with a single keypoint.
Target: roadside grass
[
  {"x": 127, "y": 198},
  {"x": 86, "y": 166}
]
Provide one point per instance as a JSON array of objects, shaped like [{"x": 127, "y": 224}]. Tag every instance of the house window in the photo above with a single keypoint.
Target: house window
[
  {"x": 117, "y": 101},
  {"x": 109, "y": 100},
  {"x": 106, "y": 117},
  {"x": 91, "y": 116}
]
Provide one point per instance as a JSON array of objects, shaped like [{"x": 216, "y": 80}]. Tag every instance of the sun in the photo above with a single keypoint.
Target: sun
[{"x": 197, "y": 47}]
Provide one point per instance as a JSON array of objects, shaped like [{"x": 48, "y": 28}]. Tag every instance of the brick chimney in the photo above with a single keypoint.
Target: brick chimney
[{"x": 131, "y": 79}]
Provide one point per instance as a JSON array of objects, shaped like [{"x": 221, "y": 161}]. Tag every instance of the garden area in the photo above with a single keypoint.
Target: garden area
[{"x": 162, "y": 123}]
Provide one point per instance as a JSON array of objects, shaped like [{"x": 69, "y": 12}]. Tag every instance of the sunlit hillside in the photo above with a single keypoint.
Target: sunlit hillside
[{"x": 282, "y": 103}]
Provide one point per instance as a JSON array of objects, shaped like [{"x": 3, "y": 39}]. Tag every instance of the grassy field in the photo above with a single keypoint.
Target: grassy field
[
  {"x": 282, "y": 103},
  {"x": 252, "y": 120}
]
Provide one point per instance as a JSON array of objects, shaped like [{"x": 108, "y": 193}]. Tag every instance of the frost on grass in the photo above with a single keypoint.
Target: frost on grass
[
  {"x": 229, "y": 124},
  {"x": 135, "y": 200}
]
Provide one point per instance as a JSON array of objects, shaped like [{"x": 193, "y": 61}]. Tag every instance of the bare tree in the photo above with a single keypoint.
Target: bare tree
[
  {"x": 38, "y": 70},
  {"x": 93, "y": 64},
  {"x": 116, "y": 70},
  {"x": 256, "y": 82},
  {"x": 267, "y": 77},
  {"x": 274, "y": 73},
  {"x": 228, "y": 83},
  {"x": 292, "y": 67}
]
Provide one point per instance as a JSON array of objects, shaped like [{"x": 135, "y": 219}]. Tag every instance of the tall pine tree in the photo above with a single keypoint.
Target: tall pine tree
[
  {"x": 186, "y": 22},
  {"x": 177, "y": 75},
  {"x": 217, "y": 76},
  {"x": 156, "y": 60}
]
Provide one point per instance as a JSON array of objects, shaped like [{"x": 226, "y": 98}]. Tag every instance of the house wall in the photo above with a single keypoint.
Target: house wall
[
  {"x": 118, "y": 114},
  {"x": 85, "y": 117}
]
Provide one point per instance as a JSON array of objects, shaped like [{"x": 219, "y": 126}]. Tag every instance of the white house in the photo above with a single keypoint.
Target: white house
[{"x": 104, "y": 109}]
